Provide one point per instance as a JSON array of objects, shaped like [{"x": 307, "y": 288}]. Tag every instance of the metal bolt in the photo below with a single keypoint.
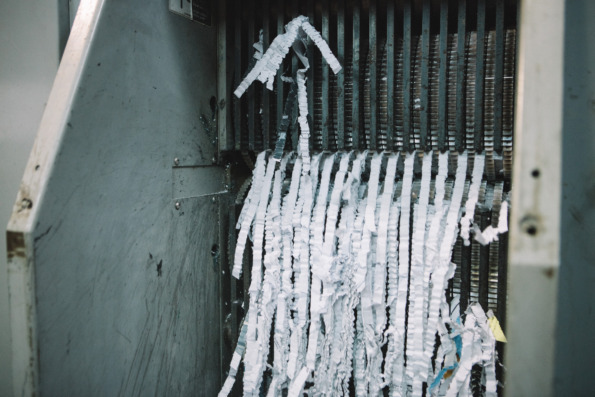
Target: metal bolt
[
  {"x": 530, "y": 225},
  {"x": 177, "y": 161},
  {"x": 214, "y": 199},
  {"x": 26, "y": 204},
  {"x": 178, "y": 205}
]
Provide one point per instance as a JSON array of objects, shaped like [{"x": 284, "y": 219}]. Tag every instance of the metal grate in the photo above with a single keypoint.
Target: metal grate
[{"x": 417, "y": 76}]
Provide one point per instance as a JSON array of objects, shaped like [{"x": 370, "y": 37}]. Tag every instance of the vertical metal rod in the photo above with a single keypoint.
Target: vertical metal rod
[
  {"x": 390, "y": 72},
  {"x": 325, "y": 78},
  {"x": 265, "y": 92},
  {"x": 499, "y": 77},
  {"x": 224, "y": 84},
  {"x": 425, "y": 61},
  {"x": 442, "y": 86},
  {"x": 372, "y": 145},
  {"x": 311, "y": 75},
  {"x": 279, "y": 83},
  {"x": 340, "y": 127},
  {"x": 479, "y": 75},
  {"x": 407, "y": 146},
  {"x": 460, "y": 99},
  {"x": 237, "y": 104},
  {"x": 250, "y": 100},
  {"x": 356, "y": 76}
]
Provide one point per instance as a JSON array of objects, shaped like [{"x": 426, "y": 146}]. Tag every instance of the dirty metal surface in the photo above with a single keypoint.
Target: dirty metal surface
[{"x": 125, "y": 295}]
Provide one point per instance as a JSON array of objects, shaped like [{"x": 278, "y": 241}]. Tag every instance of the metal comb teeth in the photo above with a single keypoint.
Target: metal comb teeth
[
  {"x": 488, "y": 105},
  {"x": 508, "y": 101},
  {"x": 434, "y": 94},
  {"x": 348, "y": 93},
  {"x": 382, "y": 100},
  {"x": 416, "y": 94},
  {"x": 470, "y": 60}
]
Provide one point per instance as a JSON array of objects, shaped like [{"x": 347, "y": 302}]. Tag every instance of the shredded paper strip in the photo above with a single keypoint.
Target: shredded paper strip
[{"x": 351, "y": 257}]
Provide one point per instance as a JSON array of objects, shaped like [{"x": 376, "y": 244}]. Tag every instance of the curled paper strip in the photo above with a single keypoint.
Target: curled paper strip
[
  {"x": 334, "y": 252},
  {"x": 348, "y": 264},
  {"x": 478, "y": 166},
  {"x": 248, "y": 213},
  {"x": 490, "y": 233},
  {"x": 267, "y": 66}
]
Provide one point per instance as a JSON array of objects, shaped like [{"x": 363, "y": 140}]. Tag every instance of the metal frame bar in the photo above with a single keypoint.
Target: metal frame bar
[
  {"x": 340, "y": 127},
  {"x": 460, "y": 99},
  {"x": 237, "y": 104},
  {"x": 425, "y": 141},
  {"x": 406, "y": 84},
  {"x": 442, "y": 83},
  {"x": 251, "y": 90},
  {"x": 373, "y": 57},
  {"x": 326, "y": 117},
  {"x": 499, "y": 77},
  {"x": 479, "y": 76},
  {"x": 355, "y": 116},
  {"x": 534, "y": 253},
  {"x": 390, "y": 73}
]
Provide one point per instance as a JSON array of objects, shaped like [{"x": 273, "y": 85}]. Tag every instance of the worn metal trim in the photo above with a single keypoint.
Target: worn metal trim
[
  {"x": 535, "y": 215},
  {"x": 20, "y": 227}
]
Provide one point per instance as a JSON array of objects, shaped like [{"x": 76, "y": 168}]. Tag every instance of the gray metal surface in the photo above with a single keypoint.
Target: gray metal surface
[
  {"x": 535, "y": 216},
  {"x": 126, "y": 292},
  {"x": 575, "y": 348}
]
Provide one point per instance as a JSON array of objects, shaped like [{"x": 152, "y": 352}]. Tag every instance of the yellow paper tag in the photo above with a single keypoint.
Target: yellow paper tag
[{"x": 496, "y": 329}]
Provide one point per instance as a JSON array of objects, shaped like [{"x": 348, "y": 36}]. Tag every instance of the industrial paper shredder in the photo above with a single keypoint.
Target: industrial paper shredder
[{"x": 120, "y": 238}]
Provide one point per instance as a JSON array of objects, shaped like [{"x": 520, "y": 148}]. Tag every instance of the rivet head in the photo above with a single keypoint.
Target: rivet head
[
  {"x": 178, "y": 205},
  {"x": 177, "y": 161},
  {"x": 214, "y": 200}
]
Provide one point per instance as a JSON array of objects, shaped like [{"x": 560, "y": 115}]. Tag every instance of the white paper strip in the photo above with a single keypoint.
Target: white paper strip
[
  {"x": 439, "y": 277},
  {"x": 266, "y": 67},
  {"x": 330, "y": 245},
  {"x": 304, "y": 140},
  {"x": 322, "y": 46},
  {"x": 298, "y": 347},
  {"x": 398, "y": 375},
  {"x": 248, "y": 212},
  {"x": 417, "y": 288},
  {"x": 254, "y": 339},
  {"x": 490, "y": 233},
  {"x": 432, "y": 246},
  {"x": 478, "y": 165},
  {"x": 283, "y": 323},
  {"x": 317, "y": 239},
  {"x": 391, "y": 298}
]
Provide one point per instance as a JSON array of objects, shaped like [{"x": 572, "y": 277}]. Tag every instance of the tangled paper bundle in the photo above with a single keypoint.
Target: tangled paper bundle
[{"x": 349, "y": 268}]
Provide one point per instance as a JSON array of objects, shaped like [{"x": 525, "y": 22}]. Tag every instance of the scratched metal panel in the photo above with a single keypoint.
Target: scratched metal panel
[{"x": 127, "y": 294}]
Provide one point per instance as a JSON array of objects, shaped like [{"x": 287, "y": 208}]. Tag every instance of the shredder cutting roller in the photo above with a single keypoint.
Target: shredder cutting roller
[{"x": 417, "y": 76}]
